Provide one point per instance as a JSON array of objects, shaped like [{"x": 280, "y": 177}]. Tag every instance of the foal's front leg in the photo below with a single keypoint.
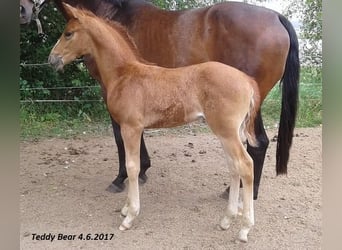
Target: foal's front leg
[
  {"x": 131, "y": 137},
  {"x": 118, "y": 184}
]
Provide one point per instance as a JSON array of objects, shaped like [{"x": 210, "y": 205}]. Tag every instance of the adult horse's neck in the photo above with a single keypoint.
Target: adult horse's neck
[
  {"x": 118, "y": 10},
  {"x": 127, "y": 12},
  {"x": 103, "y": 8},
  {"x": 111, "y": 49}
]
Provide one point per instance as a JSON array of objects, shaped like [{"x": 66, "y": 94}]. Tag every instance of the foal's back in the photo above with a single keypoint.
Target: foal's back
[{"x": 171, "y": 97}]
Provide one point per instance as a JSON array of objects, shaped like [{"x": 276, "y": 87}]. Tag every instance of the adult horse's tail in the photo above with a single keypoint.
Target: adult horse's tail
[{"x": 289, "y": 103}]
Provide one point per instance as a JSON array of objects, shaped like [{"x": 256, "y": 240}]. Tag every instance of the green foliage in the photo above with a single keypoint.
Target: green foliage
[
  {"x": 310, "y": 101},
  {"x": 309, "y": 13},
  {"x": 41, "y": 82},
  {"x": 36, "y": 124}
]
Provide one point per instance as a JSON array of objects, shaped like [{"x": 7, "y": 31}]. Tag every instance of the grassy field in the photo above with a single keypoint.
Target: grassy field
[
  {"x": 58, "y": 122},
  {"x": 310, "y": 106},
  {"x": 310, "y": 101}
]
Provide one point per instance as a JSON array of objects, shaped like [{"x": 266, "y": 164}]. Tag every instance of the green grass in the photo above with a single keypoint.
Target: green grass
[
  {"x": 309, "y": 111},
  {"x": 310, "y": 102},
  {"x": 69, "y": 120},
  {"x": 35, "y": 129},
  {"x": 61, "y": 122}
]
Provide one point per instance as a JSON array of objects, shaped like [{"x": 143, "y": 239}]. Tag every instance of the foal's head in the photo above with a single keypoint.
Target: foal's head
[
  {"x": 83, "y": 35},
  {"x": 75, "y": 40}
]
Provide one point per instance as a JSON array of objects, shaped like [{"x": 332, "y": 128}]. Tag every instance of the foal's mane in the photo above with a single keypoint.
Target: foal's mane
[{"x": 119, "y": 29}]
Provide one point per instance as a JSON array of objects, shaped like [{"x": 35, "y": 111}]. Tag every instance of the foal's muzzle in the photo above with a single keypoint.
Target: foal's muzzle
[{"x": 56, "y": 62}]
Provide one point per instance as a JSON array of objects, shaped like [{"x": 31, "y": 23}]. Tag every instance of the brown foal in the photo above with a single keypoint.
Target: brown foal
[{"x": 140, "y": 95}]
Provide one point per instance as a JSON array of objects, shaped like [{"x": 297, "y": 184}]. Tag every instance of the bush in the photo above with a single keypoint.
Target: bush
[{"x": 41, "y": 82}]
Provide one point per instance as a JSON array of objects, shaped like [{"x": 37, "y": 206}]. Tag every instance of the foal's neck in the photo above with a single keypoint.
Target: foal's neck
[{"x": 112, "y": 53}]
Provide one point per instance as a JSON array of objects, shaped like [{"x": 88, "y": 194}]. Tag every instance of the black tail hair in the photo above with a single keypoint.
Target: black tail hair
[{"x": 289, "y": 103}]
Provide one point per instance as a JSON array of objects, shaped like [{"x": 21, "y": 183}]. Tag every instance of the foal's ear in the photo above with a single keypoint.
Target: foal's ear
[{"x": 70, "y": 11}]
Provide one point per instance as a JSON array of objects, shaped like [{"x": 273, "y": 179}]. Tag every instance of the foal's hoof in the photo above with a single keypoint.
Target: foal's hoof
[
  {"x": 225, "y": 223},
  {"x": 142, "y": 178},
  {"x": 243, "y": 235},
  {"x": 113, "y": 188},
  {"x": 124, "y": 226},
  {"x": 225, "y": 194}
]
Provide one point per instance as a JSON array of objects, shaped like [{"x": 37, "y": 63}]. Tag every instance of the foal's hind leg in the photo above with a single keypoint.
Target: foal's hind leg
[
  {"x": 241, "y": 165},
  {"x": 247, "y": 177},
  {"x": 258, "y": 155},
  {"x": 131, "y": 137}
]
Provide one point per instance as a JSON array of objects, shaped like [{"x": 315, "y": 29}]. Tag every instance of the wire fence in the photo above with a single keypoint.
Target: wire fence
[
  {"x": 30, "y": 100},
  {"x": 24, "y": 64}
]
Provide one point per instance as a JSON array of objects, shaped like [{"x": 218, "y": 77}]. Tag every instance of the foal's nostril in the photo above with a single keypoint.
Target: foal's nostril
[
  {"x": 52, "y": 59},
  {"x": 55, "y": 61}
]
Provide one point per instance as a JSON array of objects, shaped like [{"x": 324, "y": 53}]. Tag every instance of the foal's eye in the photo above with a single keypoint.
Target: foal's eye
[{"x": 68, "y": 35}]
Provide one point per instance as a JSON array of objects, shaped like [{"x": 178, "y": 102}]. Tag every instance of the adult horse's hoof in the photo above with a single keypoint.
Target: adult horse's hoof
[
  {"x": 142, "y": 178},
  {"x": 255, "y": 194},
  {"x": 113, "y": 188},
  {"x": 118, "y": 188},
  {"x": 225, "y": 194}
]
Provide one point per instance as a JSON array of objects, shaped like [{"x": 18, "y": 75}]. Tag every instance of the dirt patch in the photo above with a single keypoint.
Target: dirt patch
[{"x": 63, "y": 182}]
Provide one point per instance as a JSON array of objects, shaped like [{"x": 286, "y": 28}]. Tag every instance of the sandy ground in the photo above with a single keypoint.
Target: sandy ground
[{"x": 63, "y": 182}]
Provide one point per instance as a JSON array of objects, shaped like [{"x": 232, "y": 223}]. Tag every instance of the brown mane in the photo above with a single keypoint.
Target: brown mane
[{"x": 122, "y": 32}]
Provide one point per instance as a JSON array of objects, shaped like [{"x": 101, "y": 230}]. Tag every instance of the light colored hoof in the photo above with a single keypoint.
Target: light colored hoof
[
  {"x": 243, "y": 235},
  {"x": 124, "y": 226},
  {"x": 225, "y": 223}
]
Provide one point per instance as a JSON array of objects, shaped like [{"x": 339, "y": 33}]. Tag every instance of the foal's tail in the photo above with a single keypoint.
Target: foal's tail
[
  {"x": 289, "y": 103},
  {"x": 248, "y": 124}
]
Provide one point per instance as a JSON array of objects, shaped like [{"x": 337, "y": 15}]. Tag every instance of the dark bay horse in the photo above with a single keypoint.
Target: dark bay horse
[
  {"x": 256, "y": 40},
  {"x": 140, "y": 95}
]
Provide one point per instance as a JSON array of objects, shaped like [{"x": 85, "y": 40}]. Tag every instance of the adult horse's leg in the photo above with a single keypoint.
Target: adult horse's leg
[
  {"x": 118, "y": 183},
  {"x": 258, "y": 155}
]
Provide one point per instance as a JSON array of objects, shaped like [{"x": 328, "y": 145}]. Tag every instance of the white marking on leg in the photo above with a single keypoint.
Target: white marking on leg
[
  {"x": 133, "y": 208},
  {"x": 131, "y": 138},
  {"x": 232, "y": 208},
  {"x": 248, "y": 208}
]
